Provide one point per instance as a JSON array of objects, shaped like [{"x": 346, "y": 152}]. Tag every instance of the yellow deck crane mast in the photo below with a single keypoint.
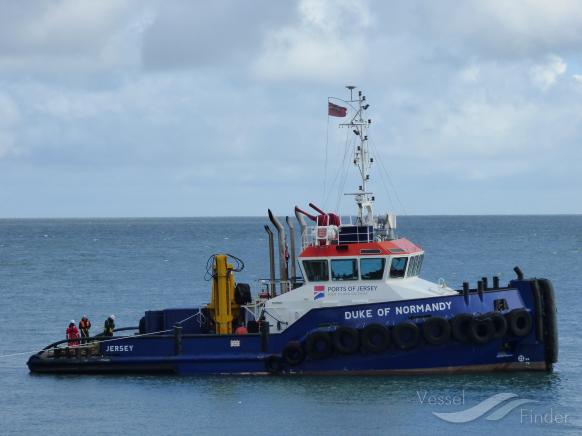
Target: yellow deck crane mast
[{"x": 223, "y": 307}]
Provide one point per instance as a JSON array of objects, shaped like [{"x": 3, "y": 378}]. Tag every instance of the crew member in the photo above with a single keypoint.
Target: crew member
[
  {"x": 73, "y": 334},
  {"x": 109, "y": 326},
  {"x": 241, "y": 330},
  {"x": 84, "y": 326}
]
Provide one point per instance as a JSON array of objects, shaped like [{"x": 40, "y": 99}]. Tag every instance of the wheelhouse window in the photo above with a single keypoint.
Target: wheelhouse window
[
  {"x": 344, "y": 269},
  {"x": 372, "y": 268},
  {"x": 398, "y": 267},
  {"x": 419, "y": 264},
  {"x": 412, "y": 265},
  {"x": 316, "y": 270},
  {"x": 415, "y": 265}
]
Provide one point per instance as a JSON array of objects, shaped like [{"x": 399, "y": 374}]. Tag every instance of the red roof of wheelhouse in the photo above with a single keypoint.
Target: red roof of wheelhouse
[{"x": 401, "y": 246}]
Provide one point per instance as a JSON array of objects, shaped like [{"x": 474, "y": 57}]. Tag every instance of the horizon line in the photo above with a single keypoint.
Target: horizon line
[{"x": 265, "y": 216}]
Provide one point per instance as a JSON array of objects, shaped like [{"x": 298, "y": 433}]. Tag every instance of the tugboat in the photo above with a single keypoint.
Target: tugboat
[{"x": 352, "y": 302}]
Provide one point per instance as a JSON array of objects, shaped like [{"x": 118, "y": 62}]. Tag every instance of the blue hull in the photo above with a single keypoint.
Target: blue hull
[{"x": 263, "y": 354}]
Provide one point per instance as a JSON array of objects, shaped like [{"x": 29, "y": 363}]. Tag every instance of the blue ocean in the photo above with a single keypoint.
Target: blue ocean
[{"x": 55, "y": 270}]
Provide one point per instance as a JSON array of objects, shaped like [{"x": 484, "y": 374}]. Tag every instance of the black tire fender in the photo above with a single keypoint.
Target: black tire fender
[
  {"x": 375, "y": 338},
  {"x": 550, "y": 321},
  {"x": 436, "y": 330},
  {"x": 481, "y": 330},
  {"x": 520, "y": 322},
  {"x": 499, "y": 324},
  {"x": 346, "y": 340},
  {"x": 293, "y": 353},
  {"x": 319, "y": 345},
  {"x": 460, "y": 325},
  {"x": 273, "y": 364},
  {"x": 406, "y": 335}
]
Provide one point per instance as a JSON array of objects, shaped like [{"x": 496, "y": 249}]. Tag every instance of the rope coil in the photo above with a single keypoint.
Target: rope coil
[{"x": 239, "y": 265}]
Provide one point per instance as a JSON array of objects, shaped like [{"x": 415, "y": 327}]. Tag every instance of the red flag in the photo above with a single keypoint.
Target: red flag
[{"x": 333, "y": 110}]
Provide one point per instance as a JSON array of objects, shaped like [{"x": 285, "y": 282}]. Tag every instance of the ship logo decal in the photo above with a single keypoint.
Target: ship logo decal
[{"x": 318, "y": 292}]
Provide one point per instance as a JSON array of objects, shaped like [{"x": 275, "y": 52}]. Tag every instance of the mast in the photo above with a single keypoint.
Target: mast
[{"x": 362, "y": 160}]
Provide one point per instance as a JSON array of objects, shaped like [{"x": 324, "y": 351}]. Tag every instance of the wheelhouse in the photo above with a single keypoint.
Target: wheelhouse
[{"x": 365, "y": 268}]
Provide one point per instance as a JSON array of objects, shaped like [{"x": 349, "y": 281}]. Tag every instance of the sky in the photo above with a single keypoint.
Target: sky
[{"x": 127, "y": 108}]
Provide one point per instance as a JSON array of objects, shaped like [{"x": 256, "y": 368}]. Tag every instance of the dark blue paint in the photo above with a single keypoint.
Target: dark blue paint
[{"x": 214, "y": 354}]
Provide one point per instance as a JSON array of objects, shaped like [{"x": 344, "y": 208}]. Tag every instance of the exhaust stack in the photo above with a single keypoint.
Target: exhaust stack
[
  {"x": 272, "y": 279},
  {"x": 391, "y": 221},
  {"x": 292, "y": 249},
  {"x": 281, "y": 242},
  {"x": 301, "y": 220}
]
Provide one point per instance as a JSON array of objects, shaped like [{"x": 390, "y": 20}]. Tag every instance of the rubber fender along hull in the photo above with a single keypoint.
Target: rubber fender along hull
[
  {"x": 77, "y": 366},
  {"x": 550, "y": 320},
  {"x": 272, "y": 366}
]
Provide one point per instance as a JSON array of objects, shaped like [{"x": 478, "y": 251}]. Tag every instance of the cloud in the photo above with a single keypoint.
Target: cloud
[
  {"x": 66, "y": 35},
  {"x": 187, "y": 34},
  {"x": 328, "y": 42},
  {"x": 9, "y": 120},
  {"x": 494, "y": 29},
  {"x": 545, "y": 75},
  {"x": 469, "y": 74},
  {"x": 6, "y": 142},
  {"x": 180, "y": 100}
]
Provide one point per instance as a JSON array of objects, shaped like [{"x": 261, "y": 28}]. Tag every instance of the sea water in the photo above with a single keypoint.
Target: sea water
[{"x": 52, "y": 271}]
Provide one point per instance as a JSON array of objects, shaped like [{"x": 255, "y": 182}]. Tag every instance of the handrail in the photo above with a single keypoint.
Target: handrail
[
  {"x": 98, "y": 337},
  {"x": 312, "y": 239},
  {"x": 154, "y": 335}
]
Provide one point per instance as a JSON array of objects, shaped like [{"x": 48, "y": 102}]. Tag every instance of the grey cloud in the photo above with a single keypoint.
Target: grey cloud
[
  {"x": 199, "y": 34},
  {"x": 227, "y": 99},
  {"x": 494, "y": 29},
  {"x": 58, "y": 27}
]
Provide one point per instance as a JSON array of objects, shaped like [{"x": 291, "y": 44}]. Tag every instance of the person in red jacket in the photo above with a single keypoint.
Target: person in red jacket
[
  {"x": 241, "y": 330},
  {"x": 73, "y": 334}
]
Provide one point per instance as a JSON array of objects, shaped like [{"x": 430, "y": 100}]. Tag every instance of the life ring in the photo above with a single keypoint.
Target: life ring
[
  {"x": 481, "y": 330},
  {"x": 499, "y": 324},
  {"x": 460, "y": 325},
  {"x": 346, "y": 339},
  {"x": 319, "y": 345},
  {"x": 406, "y": 335},
  {"x": 293, "y": 353},
  {"x": 273, "y": 364},
  {"x": 436, "y": 330},
  {"x": 519, "y": 321},
  {"x": 375, "y": 338}
]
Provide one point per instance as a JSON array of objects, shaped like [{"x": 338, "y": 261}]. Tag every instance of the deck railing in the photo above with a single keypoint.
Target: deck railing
[{"x": 334, "y": 235}]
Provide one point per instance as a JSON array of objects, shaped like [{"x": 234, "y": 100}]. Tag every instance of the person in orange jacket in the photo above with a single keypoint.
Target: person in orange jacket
[
  {"x": 84, "y": 326},
  {"x": 241, "y": 330},
  {"x": 73, "y": 334}
]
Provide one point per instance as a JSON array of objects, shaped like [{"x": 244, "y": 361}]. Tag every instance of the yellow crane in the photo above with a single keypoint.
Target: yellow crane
[{"x": 223, "y": 307}]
